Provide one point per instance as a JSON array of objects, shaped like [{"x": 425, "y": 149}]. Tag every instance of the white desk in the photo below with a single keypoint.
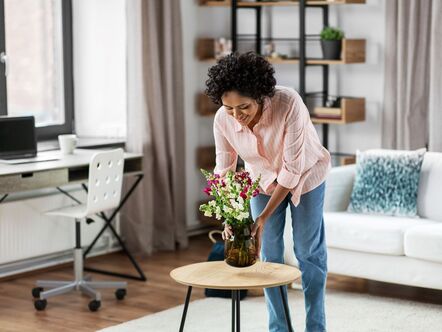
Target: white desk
[
  {"x": 48, "y": 174},
  {"x": 70, "y": 169}
]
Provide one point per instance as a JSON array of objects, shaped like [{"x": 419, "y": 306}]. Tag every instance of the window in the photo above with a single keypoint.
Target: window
[{"x": 36, "y": 63}]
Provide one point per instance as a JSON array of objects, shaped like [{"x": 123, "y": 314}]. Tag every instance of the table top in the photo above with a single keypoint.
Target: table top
[
  {"x": 81, "y": 157},
  {"x": 219, "y": 275}
]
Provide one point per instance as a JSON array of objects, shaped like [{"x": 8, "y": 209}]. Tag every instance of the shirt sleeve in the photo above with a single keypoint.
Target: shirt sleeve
[
  {"x": 294, "y": 144},
  {"x": 226, "y": 156}
]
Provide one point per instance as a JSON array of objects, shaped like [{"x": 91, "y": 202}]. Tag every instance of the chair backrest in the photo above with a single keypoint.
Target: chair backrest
[{"x": 105, "y": 181}]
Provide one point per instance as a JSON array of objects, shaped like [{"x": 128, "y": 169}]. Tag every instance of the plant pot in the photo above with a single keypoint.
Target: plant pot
[
  {"x": 331, "y": 49},
  {"x": 240, "y": 249}
]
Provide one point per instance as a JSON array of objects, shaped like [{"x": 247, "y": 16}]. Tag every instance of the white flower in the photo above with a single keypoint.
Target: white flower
[
  {"x": 212, "y": 203},
  {"x": 218, "y": 216},
  {"x": 244, "y": 215},
  {"x": 240, "y": 200},
  {"x": 234, "y": 204},
  {"x": 227, "y": 209},
  {"x": 217, "y": 210},
  {"x": 240, "y": 207},
  {"x": 208, "y": 213}
]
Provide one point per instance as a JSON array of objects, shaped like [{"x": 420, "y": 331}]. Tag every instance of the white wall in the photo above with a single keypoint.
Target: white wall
[
  {"x": 359, "y": 80},
  {"x": 99, "y": 35}
]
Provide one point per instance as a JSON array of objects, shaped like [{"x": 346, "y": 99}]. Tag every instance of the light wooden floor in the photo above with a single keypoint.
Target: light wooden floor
[{"x": 70, "y": 312}]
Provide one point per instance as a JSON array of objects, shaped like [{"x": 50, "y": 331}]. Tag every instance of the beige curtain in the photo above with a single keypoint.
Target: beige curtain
[
  {"x": 412, "y": 40},
  {"x": 435, "y": 107},
  {"x": 154, "y": 217}
]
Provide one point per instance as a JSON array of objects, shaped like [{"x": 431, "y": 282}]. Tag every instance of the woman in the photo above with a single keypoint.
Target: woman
[{"x": 269, "y": 127}]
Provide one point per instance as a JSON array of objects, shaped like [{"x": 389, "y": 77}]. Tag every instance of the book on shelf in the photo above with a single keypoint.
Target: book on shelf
[
  {"x": 326, "y": 116},
  {"x": 326, "y": 111}
]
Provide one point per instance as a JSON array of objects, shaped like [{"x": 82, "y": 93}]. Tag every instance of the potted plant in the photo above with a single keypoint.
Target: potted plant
[
  {"x": 231, "y": 202},
  {"x": 331, "y": 42}
]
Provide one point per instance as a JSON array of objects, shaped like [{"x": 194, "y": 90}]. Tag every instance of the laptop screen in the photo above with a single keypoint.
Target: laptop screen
[{"x": 17, "y": 137}]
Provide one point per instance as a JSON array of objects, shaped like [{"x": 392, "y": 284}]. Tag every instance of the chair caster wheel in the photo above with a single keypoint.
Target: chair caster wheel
[
  {"x": 40, "y": 305},
  {"x": 94, "y": 305},
  {"x": 120, "y": 293},
  {"x": 36, "y": 292}
]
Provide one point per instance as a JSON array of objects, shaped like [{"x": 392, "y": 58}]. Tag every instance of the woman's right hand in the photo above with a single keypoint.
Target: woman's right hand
[{"x": 227, "y": 232}]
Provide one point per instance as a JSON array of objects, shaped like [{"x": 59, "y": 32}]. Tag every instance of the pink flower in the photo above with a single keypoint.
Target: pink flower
[
  {"x": 223, "y": 184},
  {"x": 243, "y": 195},
  {"x": 255, "y": 192},
  {"x": 207, "y": 190}
]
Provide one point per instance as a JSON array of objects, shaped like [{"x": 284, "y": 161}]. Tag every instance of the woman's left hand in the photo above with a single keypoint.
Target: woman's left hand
[{"x": 257, "y": 230}]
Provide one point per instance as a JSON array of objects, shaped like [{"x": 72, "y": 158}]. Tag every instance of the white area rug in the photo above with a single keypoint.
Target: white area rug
[{"x": 346, "y": 312}]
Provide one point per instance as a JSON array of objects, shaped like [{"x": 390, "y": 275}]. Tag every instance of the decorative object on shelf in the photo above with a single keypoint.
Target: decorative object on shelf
[
  {"x": 387, "y": 182},
  {"x": 331, "y": 43},
  {"x": 333, "y": 101},
  {"x": 222, "y": 47},
  {"x": 213, "y": 48},
  {"x": 231, "y": 202}
]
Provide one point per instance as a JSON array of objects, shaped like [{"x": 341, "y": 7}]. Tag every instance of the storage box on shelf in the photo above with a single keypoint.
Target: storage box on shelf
[
  {"x": 205, "y": 106},
  {"x": 205, "y": 157},
  {"x": 351, "y": 110}
]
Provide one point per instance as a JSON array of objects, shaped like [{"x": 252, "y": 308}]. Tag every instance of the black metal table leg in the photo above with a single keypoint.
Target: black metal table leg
[
  {"x": 238, "y": 300},
  {"x": 186, "y": 305},
  {"x": 286, "y": 309},
  {"x": 233, "y": 309}
]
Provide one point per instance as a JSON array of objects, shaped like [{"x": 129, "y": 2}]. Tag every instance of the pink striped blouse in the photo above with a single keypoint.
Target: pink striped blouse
[{"x": 283, "y": 146}]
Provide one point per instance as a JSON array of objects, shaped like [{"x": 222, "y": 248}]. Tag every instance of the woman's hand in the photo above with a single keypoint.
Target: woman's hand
[
  {"x": 257, "y": 229},
  {"x": 227, "y": 232}
]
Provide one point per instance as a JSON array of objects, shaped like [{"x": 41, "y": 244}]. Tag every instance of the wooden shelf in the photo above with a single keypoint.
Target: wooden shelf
[
  {"x": 205, "y": 157},
  {"x": 353, "y": 51},
  {"x": 205, "y": 106},
  {"x": 226, "y": 3},
  {"x": 352, "y": 110}
]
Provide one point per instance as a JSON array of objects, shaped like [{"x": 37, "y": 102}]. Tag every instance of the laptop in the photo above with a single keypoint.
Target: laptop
[{"x": 18, "y": 142}]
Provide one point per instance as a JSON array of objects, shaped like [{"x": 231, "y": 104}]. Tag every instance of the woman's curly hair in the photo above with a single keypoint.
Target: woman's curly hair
[{"x": 248, "y": 74}]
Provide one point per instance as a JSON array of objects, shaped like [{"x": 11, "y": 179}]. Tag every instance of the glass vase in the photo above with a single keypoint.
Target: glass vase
[{"x": 240, "y": 249}]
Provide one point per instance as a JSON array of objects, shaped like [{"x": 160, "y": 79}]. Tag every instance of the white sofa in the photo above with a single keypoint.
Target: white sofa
[{"x": 398, "y": 250}]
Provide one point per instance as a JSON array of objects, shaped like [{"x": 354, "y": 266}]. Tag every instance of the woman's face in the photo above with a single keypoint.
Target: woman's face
[{"x": 243, "y": 109}]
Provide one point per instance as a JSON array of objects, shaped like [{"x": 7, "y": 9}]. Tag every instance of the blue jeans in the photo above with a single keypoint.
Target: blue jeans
[{"x": 310, "y": 251}]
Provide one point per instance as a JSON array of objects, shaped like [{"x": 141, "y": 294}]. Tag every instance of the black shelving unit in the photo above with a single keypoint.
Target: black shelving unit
[{"x": 302, "y": 48}]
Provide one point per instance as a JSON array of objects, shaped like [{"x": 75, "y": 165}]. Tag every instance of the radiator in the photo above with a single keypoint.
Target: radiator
[{"x": 27, "y": 235}]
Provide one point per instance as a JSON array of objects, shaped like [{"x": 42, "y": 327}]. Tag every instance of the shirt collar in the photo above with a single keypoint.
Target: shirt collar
[{"x": 266, "y": 116}]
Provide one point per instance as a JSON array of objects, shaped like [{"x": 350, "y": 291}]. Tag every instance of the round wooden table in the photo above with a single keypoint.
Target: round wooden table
[{"x": 219, "y": 275}]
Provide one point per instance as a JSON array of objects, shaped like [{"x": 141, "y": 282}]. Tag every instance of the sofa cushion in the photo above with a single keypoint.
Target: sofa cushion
[
  {"x": 430, "y": 187},
  {"x": 368, "y": 233},
  {"x": 424, "y": 242},
  {"x": 387, "y": 182}
]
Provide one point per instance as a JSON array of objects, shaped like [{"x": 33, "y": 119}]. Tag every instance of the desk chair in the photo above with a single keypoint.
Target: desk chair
[{"x": 104, "y": 192}]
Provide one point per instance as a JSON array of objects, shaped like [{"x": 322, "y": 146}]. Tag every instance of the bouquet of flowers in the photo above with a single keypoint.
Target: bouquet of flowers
[{"x": 231, "y": 202}]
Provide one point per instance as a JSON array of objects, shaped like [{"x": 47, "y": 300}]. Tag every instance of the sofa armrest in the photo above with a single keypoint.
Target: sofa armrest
[{"x": 338, "y": 187}]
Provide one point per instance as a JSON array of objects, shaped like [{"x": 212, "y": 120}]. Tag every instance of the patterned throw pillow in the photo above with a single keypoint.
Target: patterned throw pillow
[{"x": 387, "y": 182}]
